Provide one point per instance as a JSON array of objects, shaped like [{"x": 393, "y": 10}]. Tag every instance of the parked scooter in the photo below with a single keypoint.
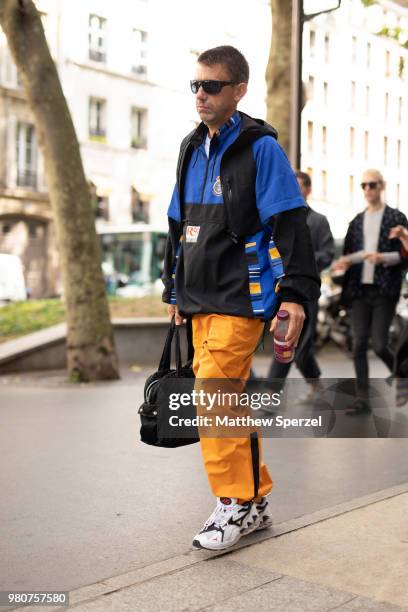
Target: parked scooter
[
  {"x": 333, "y": 320},
  {"x": 400, "y": 320}
]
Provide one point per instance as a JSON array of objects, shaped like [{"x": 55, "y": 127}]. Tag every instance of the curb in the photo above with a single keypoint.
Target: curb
[{"x": 178, "y": 563}]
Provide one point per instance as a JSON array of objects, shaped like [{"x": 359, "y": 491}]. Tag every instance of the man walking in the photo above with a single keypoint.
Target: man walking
[
  {"x": 238, "y": 245},
  {"x": 323, "y": 246},
  {"x": 372, "y": 282}
]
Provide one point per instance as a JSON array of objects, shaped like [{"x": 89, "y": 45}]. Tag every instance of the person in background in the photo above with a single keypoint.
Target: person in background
[
  {"x": 323, "y": 247},
  {"x": 372, "y": 283},
  {"x": 401, "y": 353}
]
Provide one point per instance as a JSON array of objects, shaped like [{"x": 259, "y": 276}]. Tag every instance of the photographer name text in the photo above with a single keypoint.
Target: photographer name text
[{"x": 244, "y": 421}]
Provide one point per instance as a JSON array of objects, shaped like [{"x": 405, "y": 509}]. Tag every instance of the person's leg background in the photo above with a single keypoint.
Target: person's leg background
[
  {"x": 400, "y": 370},
  {"x": 277, "y": 374},
  {"x": 224, "y": 347},
  {"x": 305, "y": 356},
  {"x": 361, "y": 315},
  {"x": 383, "y": 313}
]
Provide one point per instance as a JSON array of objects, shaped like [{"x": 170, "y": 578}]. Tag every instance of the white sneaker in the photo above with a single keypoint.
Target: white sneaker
[
  {"x": 264, "y": 514},
  {"x": 227, "y": 524},
  {"x": 314, "y": 394}
]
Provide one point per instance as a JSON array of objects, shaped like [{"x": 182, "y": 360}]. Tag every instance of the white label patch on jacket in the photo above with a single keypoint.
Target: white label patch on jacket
[{"x": 192, "y": 232}]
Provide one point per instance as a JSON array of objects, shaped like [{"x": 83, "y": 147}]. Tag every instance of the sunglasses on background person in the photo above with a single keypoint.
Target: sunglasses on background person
[
  {"x": 370, "y": 185},
  {"x": 210, "y": 87}
]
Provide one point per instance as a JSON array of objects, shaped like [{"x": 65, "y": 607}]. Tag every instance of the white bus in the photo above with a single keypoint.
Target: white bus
[{"x": 132, "y": 259}]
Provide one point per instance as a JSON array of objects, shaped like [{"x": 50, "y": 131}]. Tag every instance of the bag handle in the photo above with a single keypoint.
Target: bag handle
[
  {"x": 174, "y": 332},
  {"x": 190, "y": 345},
  {"x": 166, "y": 355},
  {"x": 178, "y": 351}
]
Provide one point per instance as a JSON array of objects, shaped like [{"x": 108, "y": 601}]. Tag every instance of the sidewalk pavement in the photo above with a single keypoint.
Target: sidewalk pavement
[
  {"x": 87, "y": 504},
  {"x": 356, "y": 559}
]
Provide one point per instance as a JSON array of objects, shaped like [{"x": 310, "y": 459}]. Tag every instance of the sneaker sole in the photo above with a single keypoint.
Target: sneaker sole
[
  {"x": 197, "y": 544},
  {"x": 266, "y": 524},
  {"x": 251, "y": 528}
]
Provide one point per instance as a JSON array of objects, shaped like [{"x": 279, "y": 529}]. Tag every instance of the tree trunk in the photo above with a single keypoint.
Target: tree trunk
[
  {"x": 278, "y": 73},
  {"x": 91, "y": 353}
]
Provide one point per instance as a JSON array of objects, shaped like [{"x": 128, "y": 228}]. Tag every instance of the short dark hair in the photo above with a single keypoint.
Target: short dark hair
[
  {"x": 231, "y": 58},
  {"x": 304, "y": 177}
]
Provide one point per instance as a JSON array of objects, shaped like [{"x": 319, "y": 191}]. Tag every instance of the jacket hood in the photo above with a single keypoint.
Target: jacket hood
[
  {"x": 250, "y": 124},
  {"x": 251, "y": 127}
]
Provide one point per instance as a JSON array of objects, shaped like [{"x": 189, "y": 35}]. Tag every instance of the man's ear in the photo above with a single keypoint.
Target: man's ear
[{"x": 240, "y": 91}]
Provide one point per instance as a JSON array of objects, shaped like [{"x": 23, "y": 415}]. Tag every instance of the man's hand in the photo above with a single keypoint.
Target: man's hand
[
  {"x": 342, "y": 264},
  {"x": 296, "y": 320},
  {"x": 172, "y": 311},
  {"x": 401, "y": 232},
  {"x": 375, "y": 258},
  {"x": 398, "y": 231}
]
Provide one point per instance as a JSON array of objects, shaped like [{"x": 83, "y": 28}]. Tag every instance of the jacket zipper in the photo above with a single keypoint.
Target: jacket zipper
[
  {"x": 229, "y": 189},
  {"x": 213, "y": 145},
  {"x": 232, "y": 235},
  {"x": 205, "y": 179}
]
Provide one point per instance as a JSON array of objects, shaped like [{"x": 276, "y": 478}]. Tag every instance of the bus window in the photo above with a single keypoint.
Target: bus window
[
  {"x": 159, "y": 246},
  {"x": 133, "y": 258}
]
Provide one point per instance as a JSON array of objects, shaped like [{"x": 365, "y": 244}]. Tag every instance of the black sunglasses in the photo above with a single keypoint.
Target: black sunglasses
[
  {"x": 210, "y": 87},
  {"x": 370, "y": 185}
]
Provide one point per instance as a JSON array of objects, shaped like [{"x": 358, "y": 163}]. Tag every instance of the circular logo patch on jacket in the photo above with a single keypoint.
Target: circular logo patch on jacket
[{"x": 217, "y": 189}]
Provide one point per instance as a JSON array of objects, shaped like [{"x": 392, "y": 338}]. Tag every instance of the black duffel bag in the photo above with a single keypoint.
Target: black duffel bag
[{"x": 155, "y": 412}]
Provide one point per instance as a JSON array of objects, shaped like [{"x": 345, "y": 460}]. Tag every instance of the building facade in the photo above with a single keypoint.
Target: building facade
[
  {"x": 130, "y": 111},
  {"x": 125, "y": 68},
  {"x": 356, "y": 114}
]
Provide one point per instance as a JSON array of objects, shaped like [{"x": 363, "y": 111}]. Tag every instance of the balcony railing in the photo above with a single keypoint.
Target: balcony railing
[
  {"x": 139, "y": 143},
  {"x": 97, "y": 56},
  {"x": 140, "y": 216},
  {"x": 97, "y": 134},
  {"x": 27, "y": 178},
  {"x": 140, "y": 69}
]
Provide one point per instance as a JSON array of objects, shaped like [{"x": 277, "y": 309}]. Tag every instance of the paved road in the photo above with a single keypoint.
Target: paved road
[{"x": 82, "y": 499}]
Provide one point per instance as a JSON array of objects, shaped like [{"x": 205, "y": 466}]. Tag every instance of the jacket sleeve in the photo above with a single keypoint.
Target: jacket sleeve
[
  {"x": 170, "y": 259},
  {"x": 348, "y": 241},
  {"x": 291, "y": 234},
  {"x": 172, "y": 247},
  {"x": 324, "y": 253}
]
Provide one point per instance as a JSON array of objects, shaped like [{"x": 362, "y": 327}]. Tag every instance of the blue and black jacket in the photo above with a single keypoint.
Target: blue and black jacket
[{"x": 238, "y": 240}]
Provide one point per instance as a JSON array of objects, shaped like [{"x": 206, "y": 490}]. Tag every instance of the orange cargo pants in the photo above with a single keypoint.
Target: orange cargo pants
[{"x": 224, "y": 347}]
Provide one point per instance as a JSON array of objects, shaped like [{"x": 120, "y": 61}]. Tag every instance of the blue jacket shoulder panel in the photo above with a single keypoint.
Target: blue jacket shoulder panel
[{"x": 277, "y": 188}]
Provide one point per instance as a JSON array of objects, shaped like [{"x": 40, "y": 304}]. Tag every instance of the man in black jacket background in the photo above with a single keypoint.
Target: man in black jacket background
[{"x": 323, "y": 246}]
